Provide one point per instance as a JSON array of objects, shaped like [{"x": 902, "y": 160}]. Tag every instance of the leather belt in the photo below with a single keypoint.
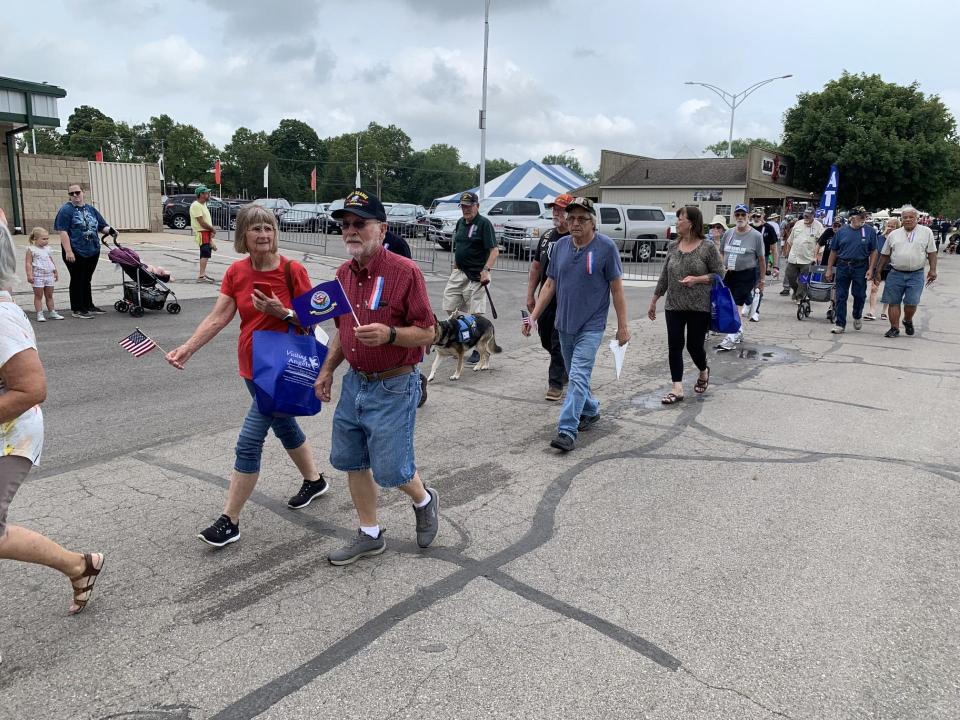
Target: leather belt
[
  {"x": 905, "y": 272},
  {"x": 851, "y": 263},
  {"x": 386, "y": 374}
]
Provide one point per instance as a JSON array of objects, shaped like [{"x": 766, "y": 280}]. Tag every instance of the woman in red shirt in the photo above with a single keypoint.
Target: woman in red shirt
[{"x": 261, "y": 288}]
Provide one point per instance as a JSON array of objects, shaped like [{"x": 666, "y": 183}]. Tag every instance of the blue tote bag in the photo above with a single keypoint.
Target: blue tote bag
[
  {"x": 285, "y": 366},
  {"x": 724, "y": 317}
]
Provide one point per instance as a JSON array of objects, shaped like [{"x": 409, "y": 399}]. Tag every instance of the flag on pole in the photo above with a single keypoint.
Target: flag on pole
[
  {"x": 99, "y": 155},
  {"x": 313, "y": 179},
  {"x": 137, "y": 343},
  {"x": 325, "y": 301},
  {"x": 266, "y": 176},
  {"x": 828, "y": 201},
  {"x": 216, "y": 172}
]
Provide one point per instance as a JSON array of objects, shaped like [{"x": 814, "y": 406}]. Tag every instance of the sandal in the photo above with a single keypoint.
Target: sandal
[
  {"x": 671, "y": 399},
  {"x": 90, "y": 571},
  {"x": 702, "y": 384}
]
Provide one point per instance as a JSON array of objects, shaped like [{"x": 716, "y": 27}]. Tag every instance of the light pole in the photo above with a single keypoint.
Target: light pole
[
  {"x": 733, "y": 100},
  {"x": 483, "y": 107}
]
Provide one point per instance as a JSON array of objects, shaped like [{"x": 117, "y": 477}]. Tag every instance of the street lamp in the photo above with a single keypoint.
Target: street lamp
[
  {"x": 483, "y": 106},
  {"x": 733, "y": 100}
]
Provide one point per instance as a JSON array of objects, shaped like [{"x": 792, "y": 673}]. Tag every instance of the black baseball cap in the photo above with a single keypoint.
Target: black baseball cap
[
  {"x": 469, "y": 198},
  {"x": 363, "y": 205}
]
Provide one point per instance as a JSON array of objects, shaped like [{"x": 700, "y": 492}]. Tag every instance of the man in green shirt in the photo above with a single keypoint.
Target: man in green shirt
[{"x": 474, "y": 253}]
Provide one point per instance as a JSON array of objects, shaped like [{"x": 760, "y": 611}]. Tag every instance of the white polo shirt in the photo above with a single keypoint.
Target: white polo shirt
[{"x": 908, "y": 251}]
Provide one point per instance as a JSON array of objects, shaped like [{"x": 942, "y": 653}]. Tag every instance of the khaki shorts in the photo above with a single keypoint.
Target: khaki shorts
[{"x": 464, "y": 294}]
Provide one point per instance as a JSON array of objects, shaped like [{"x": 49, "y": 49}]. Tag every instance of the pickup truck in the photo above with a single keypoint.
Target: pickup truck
[
  {"x": 499, "y": 211},
  {"x": 640, "y": 231}
]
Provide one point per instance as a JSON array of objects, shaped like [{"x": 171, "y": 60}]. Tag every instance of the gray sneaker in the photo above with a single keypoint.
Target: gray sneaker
[
  {"x": 362, "y": 546},
  {"x": 857, "y": 323},
  {"x": 428, "y": 520}
]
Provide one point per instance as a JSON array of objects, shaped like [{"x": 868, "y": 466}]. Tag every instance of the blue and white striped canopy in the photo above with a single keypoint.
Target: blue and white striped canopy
[{"x": 531, "y": 179}]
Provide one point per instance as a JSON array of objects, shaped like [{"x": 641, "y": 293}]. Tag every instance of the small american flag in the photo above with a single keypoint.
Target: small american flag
[{"x": 137, "y": 344}]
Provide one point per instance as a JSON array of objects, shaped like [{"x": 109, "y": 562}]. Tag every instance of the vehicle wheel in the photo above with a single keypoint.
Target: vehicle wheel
[
  {"x": 800, "y": 314},
  {"x": 136, "y": 311},
  {"x": 444, "y": 245},
  {"x": 120, "y": 306},
  {"x": 830, "y": 314},
  {"x": 180, "y": 221},
  {"x": 233, "y": 223},
  {"x": 173, "y": 308},
  {"x": 806, "y": 310},
  {"x": 642, "y": 251}
]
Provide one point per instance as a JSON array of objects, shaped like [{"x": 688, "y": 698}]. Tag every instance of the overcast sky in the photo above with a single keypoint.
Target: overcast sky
[{"x": 562, "y": 73}]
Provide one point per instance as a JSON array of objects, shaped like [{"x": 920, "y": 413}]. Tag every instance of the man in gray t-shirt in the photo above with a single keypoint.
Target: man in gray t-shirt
[{"x": 745, "y": 259}]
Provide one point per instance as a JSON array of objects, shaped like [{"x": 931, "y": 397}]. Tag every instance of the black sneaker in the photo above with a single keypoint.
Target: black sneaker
[
  {"x": 83, "y": 314},
  {"x": 892, "y": 332},
  {"x": 222, "y": 532},
  {"x": 785, "y": 291},
  {"x": 908, "y": 326},
  {"x": 587, "y": 421},
  {"x": 308, "y": 491},
  {"x": 474, "y": 358},
  {"x": 94, "y": 310},
  {"x": 428, "y": 521},
  {"x": 562, "y": 442},
  {"x": 362, "y": 546},
  {"x": 423, "y": 390}
]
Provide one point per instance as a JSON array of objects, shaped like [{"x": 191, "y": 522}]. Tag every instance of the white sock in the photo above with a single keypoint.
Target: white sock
[
  {"x": 373, "y": 531},
  {"x": 425, "y": 502}
]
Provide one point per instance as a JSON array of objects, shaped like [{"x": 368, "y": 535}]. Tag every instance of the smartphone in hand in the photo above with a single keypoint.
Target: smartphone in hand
[{"x": 264, "y": 288}]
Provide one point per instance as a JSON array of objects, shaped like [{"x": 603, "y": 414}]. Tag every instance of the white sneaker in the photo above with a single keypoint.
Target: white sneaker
[
  {"x": 40, "y": 317},
  {"x": 857, "y": 323},
  {"x": 739, "y": 337},
  {"x": 755, "y": 317},
  {"x": 54, "y": 315},
  {"x": 838, "y": 330},
  {"x": 725, "y": 345},
  {"x": 744, "y": 310}
]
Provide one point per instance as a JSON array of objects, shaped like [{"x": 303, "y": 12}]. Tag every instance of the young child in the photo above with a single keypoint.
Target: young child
[{"x": 42, "y": 273}]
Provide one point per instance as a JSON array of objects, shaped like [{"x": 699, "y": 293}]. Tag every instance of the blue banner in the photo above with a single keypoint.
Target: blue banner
[
  {"x": 323, "y": 302},
  {"x": 828, "y": 201}
]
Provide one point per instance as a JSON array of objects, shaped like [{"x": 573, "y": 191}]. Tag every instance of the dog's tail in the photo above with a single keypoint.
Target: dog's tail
[{"x": 497, "y": 348}]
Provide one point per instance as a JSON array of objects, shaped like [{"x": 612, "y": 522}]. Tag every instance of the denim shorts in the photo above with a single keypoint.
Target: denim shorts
[
  {"x": 373, "y": 427},
  {"x": 254, "y": 431},
  {"x": 903, "y": 288}
]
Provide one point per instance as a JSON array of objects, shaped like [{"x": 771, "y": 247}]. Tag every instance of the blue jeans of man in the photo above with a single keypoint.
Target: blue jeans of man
[
  {"x": 851, "y": 279},
  {"x": 579, "y": 353}
]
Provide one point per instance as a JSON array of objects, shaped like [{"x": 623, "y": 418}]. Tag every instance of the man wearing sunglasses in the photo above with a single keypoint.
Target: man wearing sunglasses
[
  {"x": 79, "y": 224},
  {"x": 745, "y": 259}
]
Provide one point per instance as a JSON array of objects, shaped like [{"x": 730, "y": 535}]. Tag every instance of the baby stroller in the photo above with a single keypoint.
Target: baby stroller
[
  {"x": 813, "y": 285},
  {"x": 144, "y": 290}
]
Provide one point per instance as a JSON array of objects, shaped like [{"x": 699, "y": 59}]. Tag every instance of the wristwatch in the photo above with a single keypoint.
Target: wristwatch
[
  {"x": 290, "y": 315},
  {"x": 393, "y": 336}
]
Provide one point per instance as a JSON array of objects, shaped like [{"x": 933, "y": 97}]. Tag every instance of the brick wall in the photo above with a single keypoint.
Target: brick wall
[{"x": 44, "y": 179}]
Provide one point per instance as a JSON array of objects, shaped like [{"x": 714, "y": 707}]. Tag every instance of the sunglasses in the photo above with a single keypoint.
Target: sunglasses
[
  {"x": 355, "y": 224},
  {"x": 75, "y": 192}
]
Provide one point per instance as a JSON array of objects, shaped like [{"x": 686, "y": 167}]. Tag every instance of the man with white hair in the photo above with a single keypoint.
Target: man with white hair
[
  {"x": 801, "y": 249},
  {"x": 907, "y": 249}
]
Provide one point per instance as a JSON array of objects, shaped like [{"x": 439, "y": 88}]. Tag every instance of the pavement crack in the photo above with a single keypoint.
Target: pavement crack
[{"x": 739, "y": 693}]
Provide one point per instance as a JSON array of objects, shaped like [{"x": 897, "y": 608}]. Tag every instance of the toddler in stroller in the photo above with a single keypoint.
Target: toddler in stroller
[{"x": 146, "y": 288}]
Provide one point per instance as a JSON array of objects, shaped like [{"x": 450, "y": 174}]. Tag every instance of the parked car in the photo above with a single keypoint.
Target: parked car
[
  {"x": 176, "y": 212},
  {"x": 499, "y": 211},
  {"x": 407, "y": 220},
  {"x": 304, "y": 217},
  {"x": 278, "y": 205},
  {"x": 640, "y": 231}
]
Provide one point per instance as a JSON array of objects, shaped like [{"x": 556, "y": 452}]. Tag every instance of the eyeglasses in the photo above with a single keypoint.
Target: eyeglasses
[
  {"x": 356, "y": 224},
  {"x": 75, "y": 192},
  {"x": 739, "y": 214},
  {"x": 574, "y": 219}
]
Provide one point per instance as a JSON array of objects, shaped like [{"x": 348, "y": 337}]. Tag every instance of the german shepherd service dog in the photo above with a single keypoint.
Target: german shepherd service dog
[{"x": 447, "y": 341}]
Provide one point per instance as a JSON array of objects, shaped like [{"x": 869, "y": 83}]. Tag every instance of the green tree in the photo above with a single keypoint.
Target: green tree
[
  {"x": 244, "y": 158},
  {"x": 189, "y": 157},
  {"x": 49, "y": 141},
  {"x": 568, "y": 161},
  {"x": 384, "y": 163},
  {"x": 741, "y": 146},
  {"x": 891, "y": 143},
  {"x": 495, "y": 168},
  {"x": 295, "y": 148},
  {"x": 437, "y": 172}
]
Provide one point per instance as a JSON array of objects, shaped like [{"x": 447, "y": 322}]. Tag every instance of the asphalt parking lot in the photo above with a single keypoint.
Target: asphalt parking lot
[{"x": 785, "y": 546}]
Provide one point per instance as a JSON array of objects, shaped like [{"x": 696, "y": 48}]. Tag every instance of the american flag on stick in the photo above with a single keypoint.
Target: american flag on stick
[{"x": 137, "y": 343}]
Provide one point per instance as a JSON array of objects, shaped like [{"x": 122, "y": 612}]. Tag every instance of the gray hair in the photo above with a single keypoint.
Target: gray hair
[
  {"x": 909, "y": 208},
  {"x": 8, "y": 259}
]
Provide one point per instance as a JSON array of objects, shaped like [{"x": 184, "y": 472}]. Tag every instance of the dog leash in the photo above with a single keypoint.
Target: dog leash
[{"x": 493, "y": 308}]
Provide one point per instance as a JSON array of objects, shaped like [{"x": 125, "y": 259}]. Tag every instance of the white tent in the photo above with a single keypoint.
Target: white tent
[{"x": 531, "y": 179}]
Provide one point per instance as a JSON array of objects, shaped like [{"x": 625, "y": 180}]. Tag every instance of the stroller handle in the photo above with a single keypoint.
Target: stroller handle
[{"x": 114, "y": 235}]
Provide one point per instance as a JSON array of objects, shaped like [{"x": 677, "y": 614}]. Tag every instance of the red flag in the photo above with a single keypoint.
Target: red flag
[
  {"x": 216, "y": 172},
  {"x": 99, "y": 155},
  {"x": 313, "y": 179}
]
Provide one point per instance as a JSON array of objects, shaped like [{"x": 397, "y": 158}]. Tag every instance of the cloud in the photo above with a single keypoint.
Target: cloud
[
  {"x": 445, "y": 11},
  {"x": 585, "y": 52}
]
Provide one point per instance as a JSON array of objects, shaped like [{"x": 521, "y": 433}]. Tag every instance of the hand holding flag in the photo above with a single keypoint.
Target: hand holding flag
[{"x": 322, "y": 302}]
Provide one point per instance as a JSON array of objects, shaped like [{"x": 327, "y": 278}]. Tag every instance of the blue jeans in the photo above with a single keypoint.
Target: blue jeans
[
  {"x": 579, "y": 353},
  {"x": 850, "y": 278},
  {"x": 373, "y": 427},
  {"x": 254, "y": 431}
]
